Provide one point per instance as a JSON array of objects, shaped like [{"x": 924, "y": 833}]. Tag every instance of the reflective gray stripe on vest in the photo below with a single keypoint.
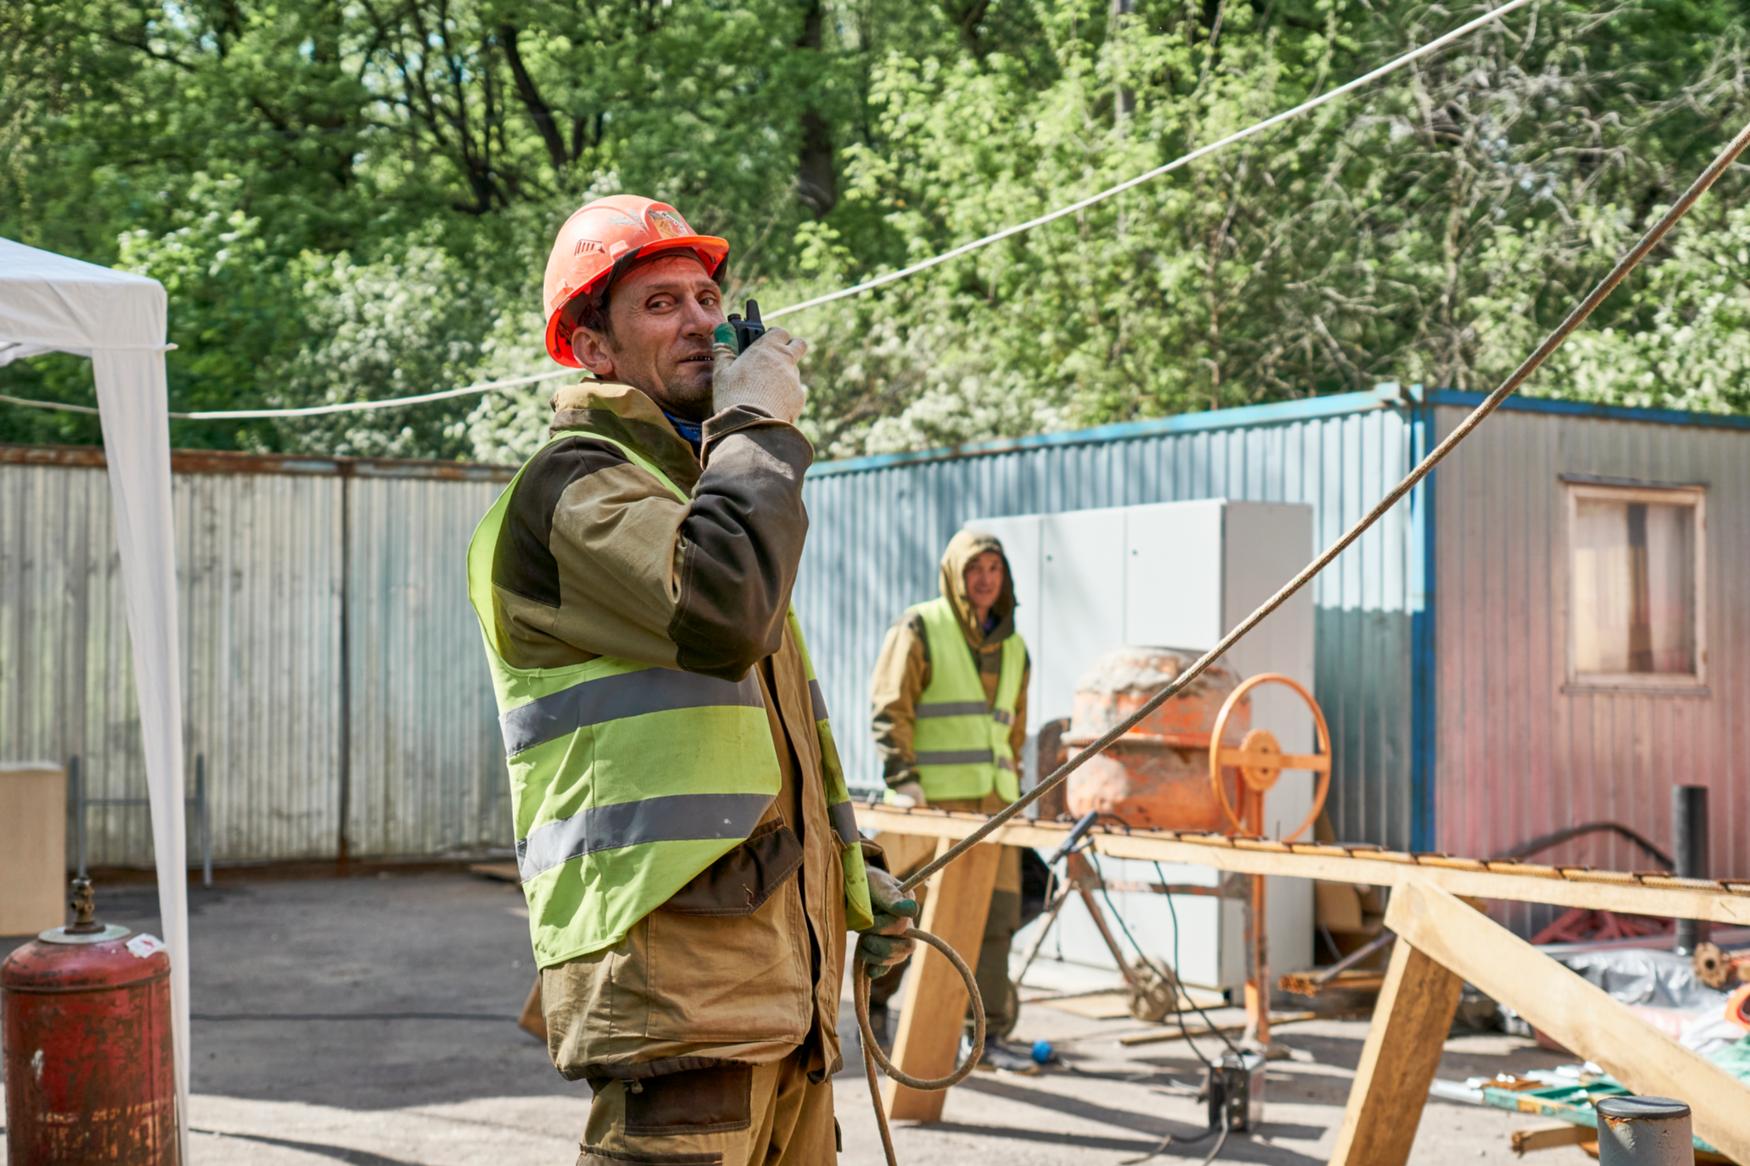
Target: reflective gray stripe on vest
[
  {"x": 957, "y": 757},
  {"x": 965, "y": 708},
  {"x": 667, "y": 819},
  {"x": 954, "y": 708},
  {"x": 624, "y": 695},
  {"x": 817, "y": 698},
  {"x": 844, "y": 822}
]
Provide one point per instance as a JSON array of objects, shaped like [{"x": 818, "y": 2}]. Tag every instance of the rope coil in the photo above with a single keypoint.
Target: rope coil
[{"x": 873, "y": 1054}]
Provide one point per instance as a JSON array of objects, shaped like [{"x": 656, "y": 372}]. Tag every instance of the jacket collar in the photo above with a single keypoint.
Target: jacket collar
[{"x": 627, "y": 415}]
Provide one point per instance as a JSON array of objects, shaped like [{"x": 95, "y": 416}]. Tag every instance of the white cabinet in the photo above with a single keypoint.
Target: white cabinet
[{"x": 1175, "y": 575}]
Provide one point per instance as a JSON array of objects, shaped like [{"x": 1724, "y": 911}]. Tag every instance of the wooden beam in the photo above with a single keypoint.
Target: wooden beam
[
  {"x": 1623, "y": 893},
  {"x": 533, "y": 1020},
  {"x": 1583, "y": 1018},
  {"x": 1551, "y": 1137},
  {"x": 933, "y": 1007},
  {"x": 1410, "y": 1023}
]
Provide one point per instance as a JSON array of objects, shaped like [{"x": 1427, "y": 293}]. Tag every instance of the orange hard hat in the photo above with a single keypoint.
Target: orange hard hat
[{"x": 601, "y": 240}]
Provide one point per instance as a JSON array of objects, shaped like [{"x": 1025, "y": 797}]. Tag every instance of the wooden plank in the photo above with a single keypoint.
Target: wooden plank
[
  {"x": 503, "y": 872},
  {"x": 933, "y": 1005},
  {"x": 33, "y": 845},
  {"x": 533, "y": 1020},
  {"x": 1598, "y": 890},
  {"x": 1572, "y": 1011},
  {"x": 1551, "y": 1137},
  {"x": 1410, "y": 1023}
]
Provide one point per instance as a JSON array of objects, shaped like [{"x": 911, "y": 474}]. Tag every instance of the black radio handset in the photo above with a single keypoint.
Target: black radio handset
[{"x": 747, "y": 330}]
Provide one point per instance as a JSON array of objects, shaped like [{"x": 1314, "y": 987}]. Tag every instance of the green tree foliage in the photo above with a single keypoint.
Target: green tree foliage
[{"x": 352, "y": 199}]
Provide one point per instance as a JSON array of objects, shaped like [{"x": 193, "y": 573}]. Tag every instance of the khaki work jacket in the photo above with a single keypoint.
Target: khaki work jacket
[
  {"x": 902, "y": 671},
  {"x": 598, "y": 557}
]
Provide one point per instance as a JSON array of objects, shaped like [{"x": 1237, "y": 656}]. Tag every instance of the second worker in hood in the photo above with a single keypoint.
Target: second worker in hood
[{"x": 950, "y": 718}]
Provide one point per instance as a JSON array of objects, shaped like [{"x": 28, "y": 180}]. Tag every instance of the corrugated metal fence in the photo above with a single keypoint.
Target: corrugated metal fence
[
  {"x": 390, "y": 729},
  {"x": 878, "y": 527}
]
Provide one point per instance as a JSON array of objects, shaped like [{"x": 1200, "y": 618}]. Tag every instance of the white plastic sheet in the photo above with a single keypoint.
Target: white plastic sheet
[{"x": 49, "y": 303}]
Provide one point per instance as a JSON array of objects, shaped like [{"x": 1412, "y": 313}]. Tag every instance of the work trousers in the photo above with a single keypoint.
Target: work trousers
[
  {"x": 729, "y": 1115},
  {"x": 906, "y": 853}
]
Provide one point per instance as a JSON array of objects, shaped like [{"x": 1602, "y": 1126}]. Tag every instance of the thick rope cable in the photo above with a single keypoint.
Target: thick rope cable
[
  {"x": 1489, "y": 404},
  {"x": 873, "y": 1055},
  {"x": 879, "y": 281},
  {"x": 1256, "y": 128},
  {"x": 1577, "y": 316}
]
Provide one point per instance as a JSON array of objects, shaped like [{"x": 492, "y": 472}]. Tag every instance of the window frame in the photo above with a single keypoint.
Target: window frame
[{"x": 1672, "y": 683}]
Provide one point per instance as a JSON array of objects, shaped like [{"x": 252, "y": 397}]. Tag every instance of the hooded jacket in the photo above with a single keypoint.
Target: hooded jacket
[{"x": 903, "y": 670}]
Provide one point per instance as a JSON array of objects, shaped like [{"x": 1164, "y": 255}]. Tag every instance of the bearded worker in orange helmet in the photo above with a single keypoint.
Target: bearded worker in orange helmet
[{"x": 683, "y": 828}]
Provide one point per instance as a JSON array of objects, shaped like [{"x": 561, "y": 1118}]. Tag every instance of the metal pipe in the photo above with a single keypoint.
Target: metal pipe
[
  {"x": 1689, "y": 850},
  {"x": 1644, "y": 1131},
  {"x": 77, "y": 783},
  {"x": 343, "y": 809},
  {"x": 200, "y": 799}
]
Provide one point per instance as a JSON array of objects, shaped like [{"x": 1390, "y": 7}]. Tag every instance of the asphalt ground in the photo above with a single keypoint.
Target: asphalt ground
[{"x": 370, "y": 1020}]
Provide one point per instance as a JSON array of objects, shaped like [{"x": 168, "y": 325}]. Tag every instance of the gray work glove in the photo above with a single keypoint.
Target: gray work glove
[
  {"x": 765, "y": 376},
  {"x": 885, "y": 945},
  {"x": 907, "y": 794}
]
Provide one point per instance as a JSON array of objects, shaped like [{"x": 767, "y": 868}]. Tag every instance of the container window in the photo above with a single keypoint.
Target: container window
[{"x": 1635, "y": 573}]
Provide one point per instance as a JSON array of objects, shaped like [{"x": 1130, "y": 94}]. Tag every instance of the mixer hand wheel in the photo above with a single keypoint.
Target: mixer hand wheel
[{"x": 1260, "y": 759}]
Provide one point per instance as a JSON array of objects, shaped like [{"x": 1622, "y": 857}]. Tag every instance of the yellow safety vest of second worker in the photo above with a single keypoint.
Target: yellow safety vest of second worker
[
  {"x": 627, "y": 780},
  {"x": 960, "y": 739}
]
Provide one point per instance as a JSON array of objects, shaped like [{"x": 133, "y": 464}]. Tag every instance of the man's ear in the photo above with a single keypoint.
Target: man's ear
[{"x": 591, "y": 350}]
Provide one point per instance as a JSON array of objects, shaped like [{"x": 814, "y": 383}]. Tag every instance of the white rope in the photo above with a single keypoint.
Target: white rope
[
  {"x": 1253, "y": 130},
  {"x": 387, "y": 403},
  {"x": 313, "y": 410},
  {"x": 1183, "y": 160},
  {"x": 58, "y": 406}
]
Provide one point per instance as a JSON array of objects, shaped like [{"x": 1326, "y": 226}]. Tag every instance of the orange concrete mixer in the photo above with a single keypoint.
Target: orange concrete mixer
[
  {"x": 1195, "y": 764},
  {"x": 1168, "y": 773}
]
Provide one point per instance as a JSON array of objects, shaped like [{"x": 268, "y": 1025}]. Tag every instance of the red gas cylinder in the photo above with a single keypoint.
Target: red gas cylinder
[
  {"x": 1156, "y": 775},
  {"x": 89, "y": 1068}
]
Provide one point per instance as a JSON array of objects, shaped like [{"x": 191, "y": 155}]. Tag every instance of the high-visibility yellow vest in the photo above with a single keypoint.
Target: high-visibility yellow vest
[
  {"x": 627, "y": 780},
  {"x": 960, "y": 739}
]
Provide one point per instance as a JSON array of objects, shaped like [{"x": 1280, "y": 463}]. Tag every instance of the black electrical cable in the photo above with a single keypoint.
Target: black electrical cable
[
  {"x": 1170, "y": 979},
  {"x": 1174, "y": 911},
  {"x": 1219, "y": 1132}
]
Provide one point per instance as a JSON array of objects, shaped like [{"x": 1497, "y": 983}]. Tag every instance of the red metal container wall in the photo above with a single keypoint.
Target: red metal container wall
[
  {"x": 1523, "y": 751},
  {"x": 89, "y": 1076}
]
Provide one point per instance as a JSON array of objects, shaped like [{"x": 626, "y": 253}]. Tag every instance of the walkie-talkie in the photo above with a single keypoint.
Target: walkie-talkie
[{"x": 748, "y": 330}]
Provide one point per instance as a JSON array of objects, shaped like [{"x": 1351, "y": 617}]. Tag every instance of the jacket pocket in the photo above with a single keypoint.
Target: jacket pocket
[
  {"x": 742, "y": 880},
  {"x": 727, "y": 958}
]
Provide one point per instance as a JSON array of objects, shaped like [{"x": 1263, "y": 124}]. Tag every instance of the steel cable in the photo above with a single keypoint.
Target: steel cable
[{"x": 1577, "y": 316}]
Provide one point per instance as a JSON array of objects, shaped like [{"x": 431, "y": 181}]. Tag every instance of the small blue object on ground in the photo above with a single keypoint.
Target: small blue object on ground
[{"x": 1043, "y": 1054}]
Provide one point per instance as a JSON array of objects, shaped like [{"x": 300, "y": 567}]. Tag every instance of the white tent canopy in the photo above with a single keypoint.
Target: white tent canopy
[{"x": 49, "y": 303}]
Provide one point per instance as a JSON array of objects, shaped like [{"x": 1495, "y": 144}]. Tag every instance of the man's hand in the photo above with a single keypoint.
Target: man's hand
[
  {"x": 908, "y": 794},
  {"x": 885, "y": 945},
  {"x": 765, "y": 376}
]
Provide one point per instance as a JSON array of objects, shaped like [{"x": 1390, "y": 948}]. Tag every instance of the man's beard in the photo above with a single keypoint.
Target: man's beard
[{"x": 687, "y": 398}]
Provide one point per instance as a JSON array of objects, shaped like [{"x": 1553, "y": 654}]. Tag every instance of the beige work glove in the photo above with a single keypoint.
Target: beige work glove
[
  {"x": 765, "y": 376},
  {"x": 907, "y": 794},
  {"x": 884, "y": 944}
]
